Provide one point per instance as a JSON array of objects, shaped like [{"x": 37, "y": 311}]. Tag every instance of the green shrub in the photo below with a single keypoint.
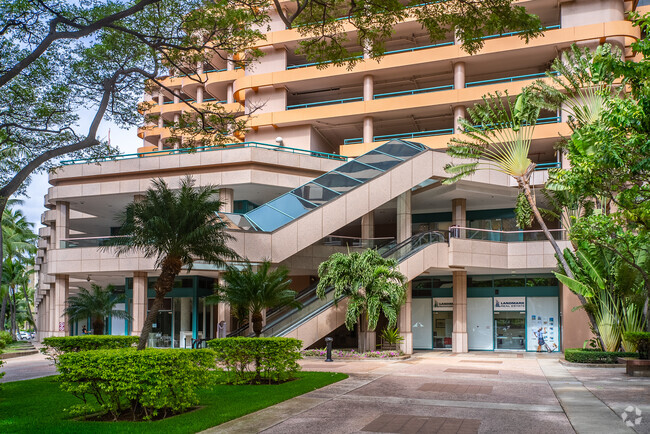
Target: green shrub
[
  {"x": 143, "y": 384},
  {"x": 2, "y": 344},
  {"x": 642, "y": 341},
  {"x": 579, "y": 355},
  {"x": 55, "y": 346},
  {"x": 6, "y": 338},
  {"x": 257, "y": 360}
]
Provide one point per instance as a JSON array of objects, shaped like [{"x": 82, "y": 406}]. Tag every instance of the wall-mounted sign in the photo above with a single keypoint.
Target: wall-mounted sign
[
  {"x": 443, "y": 304},
  {"x": 510, "y": 303}
]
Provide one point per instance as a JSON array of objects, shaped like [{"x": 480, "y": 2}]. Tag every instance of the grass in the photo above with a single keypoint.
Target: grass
[
  {"x": 37, "y": 406},
  {"x": 16, "y": 347}
]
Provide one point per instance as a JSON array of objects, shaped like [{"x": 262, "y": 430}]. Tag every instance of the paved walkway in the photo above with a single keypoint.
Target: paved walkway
[
  {"x": 471, "y": 393},
  {"x": 27, "y": 367}
]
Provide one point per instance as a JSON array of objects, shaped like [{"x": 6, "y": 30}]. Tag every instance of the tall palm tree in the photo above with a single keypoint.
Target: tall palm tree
[
  {"x": 497, "y": 136},
  {"x": 96, "y": 304},
  {"x": 176, "y": 227},
  {"x": 371, "y": 283},
  {"x": 251, "y": 292}
]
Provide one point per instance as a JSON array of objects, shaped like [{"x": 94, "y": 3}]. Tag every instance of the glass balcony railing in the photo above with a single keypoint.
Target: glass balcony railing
[
  {"x": 504, "y": 236},
  {"x": 71, "y": 243},
  {"x": 362, "y": 243},
  {"x": 283, "y": 320},
  {"x": 279, "y": 148},
  {"x": 317, "y": 192}
]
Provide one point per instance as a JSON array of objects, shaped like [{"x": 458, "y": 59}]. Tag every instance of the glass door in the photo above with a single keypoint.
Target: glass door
[
  {"x": 442, "y": 328},
  {"x": 479, "y": 324},
  {"x": 510, "y": 330},
  {"x": 421, "y": 323}
]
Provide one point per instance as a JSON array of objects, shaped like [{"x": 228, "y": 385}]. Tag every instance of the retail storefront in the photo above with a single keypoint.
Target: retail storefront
[{"x": 503, "y": 313}]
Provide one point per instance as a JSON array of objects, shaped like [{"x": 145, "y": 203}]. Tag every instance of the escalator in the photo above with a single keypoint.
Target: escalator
[{"x": 287, "y": 320}]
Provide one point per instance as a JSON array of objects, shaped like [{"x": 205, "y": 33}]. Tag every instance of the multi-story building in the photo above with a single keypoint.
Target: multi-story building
[{"x": 337, "y": 160}]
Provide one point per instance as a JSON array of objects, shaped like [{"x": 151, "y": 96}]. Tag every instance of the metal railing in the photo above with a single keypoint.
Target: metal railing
[
  {"x": 70, "y": 243},
  {"x": 423, "y": 47},
  {"x": 414, "y": 135},
  {"x": 365, "y": 243},
  {"x": 500, "y": 35},
  {"x": 414, "y": 92},
  {"x": 509, "y": 79},
  {"x": 504, "y": 236},
  {"x": 323, "y": 103},
  {"x": 546, "y": 166},
  {"x": 305, "y": 65},
  {"x": 207, "y": 149}
]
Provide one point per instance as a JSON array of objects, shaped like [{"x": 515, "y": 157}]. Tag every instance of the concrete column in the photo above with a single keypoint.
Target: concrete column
[
  {"x": 459, "y": 334},
  {"x": 459, "y": 75},
  {"x": 139, "y": 313},
  {"x": 368, "y": 225},
  {"x": 161, "y": 122},
  {"x": 161, "y": 99},
  {"x": 368, "y": 87},
  {"x": 404, "y": 230},
  {"x": 459, "y": 113},
  {"x": 199, "y": 94},
  {"x": 199, "y": 67},
  {"x": 61, "y": 292},
  {"x": 405, "y": 323},
  {"x": 230, "y": 97},
  {"x": 368, "y": 129},
  {"x": 161, "y": 145},
  {"x": 177, "y": 96},
  {"x": 230, "y": 66},
  {"x": 62, "y": 225},
  {"x": 459, "y": 215},
  {"x": 226, "y": 196},
  {"x": 186, "y": 324}
]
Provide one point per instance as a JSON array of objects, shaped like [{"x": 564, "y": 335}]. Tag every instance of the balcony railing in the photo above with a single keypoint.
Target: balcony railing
[
  {"x": 423, "y": 47},
  {"x": 504, "y": 236},
  {"x": 323, "y": 103},
  {"x": 317, "y": 154},
  {"x": 500, "y": 35},
  {"x": 546, "y": 166},
  {"x": 71, "y": 243},
  {"x": 364, "y": 243},
  {"x": 414, "y": 92},
  {"x": 402, "y": 136},
  {"x": 508, "y": 79}
]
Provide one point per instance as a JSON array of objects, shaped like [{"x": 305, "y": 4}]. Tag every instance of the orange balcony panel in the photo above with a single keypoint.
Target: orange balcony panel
[{"x": 146, "y": 149}]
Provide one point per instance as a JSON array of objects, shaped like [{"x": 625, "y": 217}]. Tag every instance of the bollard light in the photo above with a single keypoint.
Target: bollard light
[{"x": 328, "y": 342}]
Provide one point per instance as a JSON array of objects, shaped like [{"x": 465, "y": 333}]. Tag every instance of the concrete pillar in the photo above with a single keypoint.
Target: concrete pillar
[
  {"x": 405, "y": 322},
  {"x": 368, "y": 87},
  {"x": 186, "y": 323},
  {"x": 230, "y": 97},
  {"x": 199, "y": 94},
  {"x": 404, "y": 230},
  {"x": 62, "y": 225},
  {"x": 139, "y": 313},
  {"x": 230, "y": 66},
  {"x": 61, "y": 292},
  {"x": 161, "y": 122},
  {"x": 368, "y": 129},
  {"x": 161, "y": 145},
  {"x": 226, "y": 196},
  {"x": 459, "y": 215},
  {"x": 459, "y": 75},
  {"x": 177, "y": 96},
  {"x": 161, "y": 99},
  {"x": 459, "y": 113},
  {"x": 368, "y": 225},
  {"x": 459, "y": 334},
  {"x": 199, "y": 67}
]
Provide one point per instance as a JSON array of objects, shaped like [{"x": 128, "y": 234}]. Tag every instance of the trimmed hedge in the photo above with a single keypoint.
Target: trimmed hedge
[
  {"x": 153, "y": 383},
  {"x": 257, "y": 360},
  {"x": 642, "y": 341},
  {"x": 579, "y": 355},
  {"x": 55, "y": 346}
]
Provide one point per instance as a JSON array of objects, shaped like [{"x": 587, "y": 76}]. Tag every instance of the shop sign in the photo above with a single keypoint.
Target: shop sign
[
  {"x": 443, "y": 304},
  {"x": 509, "y": 303}
]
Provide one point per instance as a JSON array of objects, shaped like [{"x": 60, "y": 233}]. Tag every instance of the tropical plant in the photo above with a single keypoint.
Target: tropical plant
[
  {"x": 392, "y": 337},
  {"x": 176, "y": 227},
  {"x": 371, "y": 283},
  {"x": 251, "y": 292},
  {"x": 97, "y": 304}
]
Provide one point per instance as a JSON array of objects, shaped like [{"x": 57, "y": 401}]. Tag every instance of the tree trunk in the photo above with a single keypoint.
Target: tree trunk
[
  {"x": 3, "y": 312},
  {"x": 98, "y": 326},
  {"x": 13, "y": 315},
  {"x": 29, "y": 308},
  {"x": 170, "y": 268},
  {"x": 257, "y": 323},
  {"x": 523, "y": 183}
]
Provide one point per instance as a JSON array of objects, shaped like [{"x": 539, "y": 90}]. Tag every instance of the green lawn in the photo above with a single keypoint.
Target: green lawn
[{"x": 37, "y": 406}]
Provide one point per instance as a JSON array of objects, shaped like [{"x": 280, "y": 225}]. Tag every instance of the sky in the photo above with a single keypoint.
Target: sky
[{"x": 126, "y": 140}]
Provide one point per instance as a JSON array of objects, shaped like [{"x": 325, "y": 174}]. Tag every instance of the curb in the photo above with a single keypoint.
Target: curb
[
  {"x": 6, "y": 356},
  {"x": 364, "y": 359},
  {"x": 591, "y": 365}
]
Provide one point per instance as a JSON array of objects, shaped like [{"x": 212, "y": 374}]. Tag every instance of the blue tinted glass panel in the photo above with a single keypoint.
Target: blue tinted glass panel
[
  {"x": 337, "y": 182},
  {"x": 359, "y": 171},
  {"x": 379, "y": 160},
  {"x": 292, "y": 205},
  {"x": 398, "y": 149},
  {"x": 268, "y": 219},
  {"x": 316, "y": 194}
]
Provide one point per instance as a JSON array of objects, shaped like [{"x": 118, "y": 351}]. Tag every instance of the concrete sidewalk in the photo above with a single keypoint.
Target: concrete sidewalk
[
  {"x": 465, "y": 393},
  {"x": 27, "y": 368}
]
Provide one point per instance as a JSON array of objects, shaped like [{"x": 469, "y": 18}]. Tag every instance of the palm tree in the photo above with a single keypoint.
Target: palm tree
[
  {"x": 96, "y": 304},
  {"x": 176, "y": 227},
  {"x": 251, "y": 292},
  {"x": 370, "y": 282}
]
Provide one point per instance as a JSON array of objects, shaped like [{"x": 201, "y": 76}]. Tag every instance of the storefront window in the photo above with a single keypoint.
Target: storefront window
[
  {"x": 543, "y": 322},
  {"x": 183, "y": 322}
]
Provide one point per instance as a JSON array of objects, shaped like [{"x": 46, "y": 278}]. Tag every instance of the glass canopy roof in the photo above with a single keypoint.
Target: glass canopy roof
[{"x": 288, "y": 207}]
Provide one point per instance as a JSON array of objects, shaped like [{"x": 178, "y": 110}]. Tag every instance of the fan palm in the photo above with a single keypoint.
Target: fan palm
[
  {"x": 371, "y": 283},
  {"x": 176, "y": 227},
  {"x": 251, "y": 292},
  {"x": 96, "y": 304}
]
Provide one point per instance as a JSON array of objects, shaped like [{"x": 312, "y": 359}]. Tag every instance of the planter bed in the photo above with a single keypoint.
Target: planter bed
[{"x": 355, "y": 355}]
